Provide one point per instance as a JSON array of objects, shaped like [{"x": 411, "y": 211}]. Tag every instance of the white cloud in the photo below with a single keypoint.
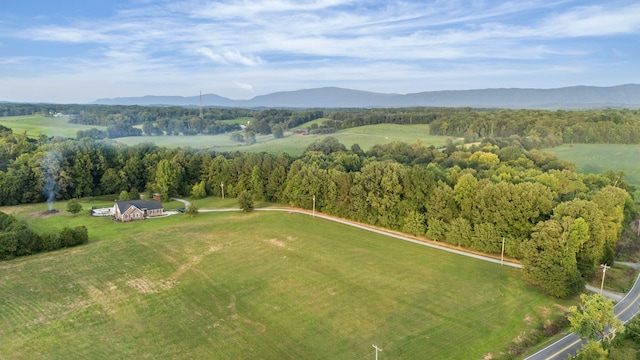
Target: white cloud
[
  {"x": 243, "y": 86},
  {"x": 287, "y": 44},
  {"x": 230, "y": 57}
]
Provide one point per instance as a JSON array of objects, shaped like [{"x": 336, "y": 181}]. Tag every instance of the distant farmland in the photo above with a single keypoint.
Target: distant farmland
[
  {"x": 258, "y": 285},
  {"x": 36, "y": 125},
  {"x": 596, "y": 158},
  {"x": 365, "y": 136}
]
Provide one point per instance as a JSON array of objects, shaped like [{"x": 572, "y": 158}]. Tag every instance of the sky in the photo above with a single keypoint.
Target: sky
[{"x": 76, "y": 51}]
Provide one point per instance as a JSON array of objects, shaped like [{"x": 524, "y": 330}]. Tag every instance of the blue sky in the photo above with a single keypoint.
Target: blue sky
[{"x": 75, "y": 51}]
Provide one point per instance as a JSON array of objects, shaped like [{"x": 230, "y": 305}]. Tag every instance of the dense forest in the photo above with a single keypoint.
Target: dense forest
[{"x": 559, "y": 223}]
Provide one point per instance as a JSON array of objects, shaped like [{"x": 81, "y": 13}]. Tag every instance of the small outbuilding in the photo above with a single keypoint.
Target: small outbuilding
[{"x": 137, "y": 209}]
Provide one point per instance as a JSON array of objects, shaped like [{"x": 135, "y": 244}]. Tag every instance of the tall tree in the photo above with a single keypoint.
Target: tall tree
[{"x": 594, "y": 318}]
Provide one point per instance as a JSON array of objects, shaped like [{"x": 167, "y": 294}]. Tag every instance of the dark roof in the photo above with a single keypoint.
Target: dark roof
[{"x": 140, "y": 204}]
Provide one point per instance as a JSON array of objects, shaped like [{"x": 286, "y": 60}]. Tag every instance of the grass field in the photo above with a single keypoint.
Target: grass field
[
  {"x": 365, "y": 136},
  {"x": 36, "y": 125},
  {"x": 258, "y": 285},
  {"x": 596, "y": 158}
]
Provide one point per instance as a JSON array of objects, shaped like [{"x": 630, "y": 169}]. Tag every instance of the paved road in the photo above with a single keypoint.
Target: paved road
[{"x": 627, "y": 308}]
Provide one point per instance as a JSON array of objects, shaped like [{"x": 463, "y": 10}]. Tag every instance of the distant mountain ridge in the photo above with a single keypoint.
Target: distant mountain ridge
[{"x": 573, "y": 97}]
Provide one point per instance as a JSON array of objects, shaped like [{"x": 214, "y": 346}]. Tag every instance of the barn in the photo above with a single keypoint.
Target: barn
[{"x": 137, "y": 209}]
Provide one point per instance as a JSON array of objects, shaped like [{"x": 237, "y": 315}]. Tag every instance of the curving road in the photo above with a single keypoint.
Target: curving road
[{"x": 625, "y": 309}]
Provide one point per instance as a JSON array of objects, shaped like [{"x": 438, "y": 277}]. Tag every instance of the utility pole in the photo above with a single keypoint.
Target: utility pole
[
  {"x": 222, "y": 187},
  {"x": 314, "y": 206},
  {"x": 502, "y": 255},
  {"x": 201, "y": 116},
  {"x": 604, "y": 271},
  {"x": 377, "y": 349}
]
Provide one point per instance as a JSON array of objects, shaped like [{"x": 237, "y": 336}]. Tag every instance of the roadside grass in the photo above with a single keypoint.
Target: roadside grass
[
  {"x": 36, "y": 125},
  {"x": 619, "y": 278},
  {"x": 255, "y": 285},
  {"x": 294, "y": 144},
  {"x": 597, "y": 158}
]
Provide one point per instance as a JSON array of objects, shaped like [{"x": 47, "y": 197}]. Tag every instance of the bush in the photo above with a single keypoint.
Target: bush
[
  {"x": 67, "y": 237},
  {"x": 50, "y": 242},
  {"x": 74, "y": 206},
  {"x": 245, "y": 201}
]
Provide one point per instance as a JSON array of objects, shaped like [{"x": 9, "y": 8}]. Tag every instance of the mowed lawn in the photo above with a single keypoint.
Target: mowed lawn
[
  {"x": 36, "y": 125},
  {"x": 294, "y": 144},
  {"x": 266, "y": 285}
]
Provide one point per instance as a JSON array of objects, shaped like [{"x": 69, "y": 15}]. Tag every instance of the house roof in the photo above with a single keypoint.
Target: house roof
[{"x": 140, "y": 204}]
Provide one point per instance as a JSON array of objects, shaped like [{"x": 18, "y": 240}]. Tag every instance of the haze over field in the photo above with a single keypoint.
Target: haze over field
[{"x": 75, "y": 52}]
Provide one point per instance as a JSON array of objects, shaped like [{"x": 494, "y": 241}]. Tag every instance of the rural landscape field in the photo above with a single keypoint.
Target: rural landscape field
[
  {"x": 257, "y": 285},
  {"x": 336, "y": 179}
]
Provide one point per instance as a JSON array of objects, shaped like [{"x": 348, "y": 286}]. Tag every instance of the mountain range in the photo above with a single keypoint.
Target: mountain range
[{"x": 574, "y": 97}]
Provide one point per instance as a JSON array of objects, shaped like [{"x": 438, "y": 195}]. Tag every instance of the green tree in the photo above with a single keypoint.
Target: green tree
[
  {"x": 8, "y": 245},
  {"x": 245, "y": 201},
  {"x": 199, "y": 190},
  {"x": 67, "y": 237},
  {"x": 80, "y": 235},
  {"x": 464, "y": 193},
  {"x": 82, "y": 175},
  {"x": 550, "y": 260},
  {"x": 168, "y": 178},
  {"x": 592, "y": 350},
  {"x": 134, "y": 194},
  {"x": 74, "y": 206},
  {"x": 594, "y": 319},
  {"x": 191, "y": 210},
  {"x": 124, "y": 196}
]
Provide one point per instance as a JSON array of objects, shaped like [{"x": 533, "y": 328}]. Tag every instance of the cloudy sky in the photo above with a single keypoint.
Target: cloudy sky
[{"x": 75, "y": 51}]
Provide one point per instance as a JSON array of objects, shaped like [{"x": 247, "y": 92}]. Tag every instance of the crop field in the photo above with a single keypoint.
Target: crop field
[
  {"x": 271, "y": 285},
  {"x": 36, "y": 125},
  {"x": 365, "y": 136},
  {"x": 596, "y": 158}
]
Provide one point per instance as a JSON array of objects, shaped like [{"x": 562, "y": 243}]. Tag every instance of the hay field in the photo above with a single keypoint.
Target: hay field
[{"x": 258, "y": 285}]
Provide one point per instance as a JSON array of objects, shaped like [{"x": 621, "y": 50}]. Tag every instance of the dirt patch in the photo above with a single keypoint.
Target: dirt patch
[
  {"x": 277, "y": 243},
  {"x": 147, "y": 286}
]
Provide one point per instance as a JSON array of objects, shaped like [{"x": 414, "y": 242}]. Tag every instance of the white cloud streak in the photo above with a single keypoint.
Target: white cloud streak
[{"x": 291, "y": 42}]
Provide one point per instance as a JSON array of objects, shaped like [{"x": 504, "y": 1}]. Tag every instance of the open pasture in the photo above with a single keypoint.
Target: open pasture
[
  {"x": 270, "y": 285},
  {"x": 597, "y": 158},
  {"x": 294, "y": 144},
  {"x": 36, "y": 125}
]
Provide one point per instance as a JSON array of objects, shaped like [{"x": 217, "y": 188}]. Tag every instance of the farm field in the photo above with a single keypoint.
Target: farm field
[
  {"x": 596, "y": 158},
  {"x": 36, "y": 125},
  {"x": 365, "y": 136},
  {"x": 254, "y": 285}
]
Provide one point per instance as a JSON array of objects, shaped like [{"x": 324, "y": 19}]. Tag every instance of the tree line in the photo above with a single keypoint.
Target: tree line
[
  {"x": 17, "y": 239},
  {"x": 559, "y": 223},
  {"x": 532, "y": 128}
]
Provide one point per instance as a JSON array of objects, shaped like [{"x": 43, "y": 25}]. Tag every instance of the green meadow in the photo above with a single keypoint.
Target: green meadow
[
  {"x": 294, "y": 144},
  {"x": 270, "y": 285},
  {"x": 36, "y": 125},
  {"x": 597, "y": 158}
]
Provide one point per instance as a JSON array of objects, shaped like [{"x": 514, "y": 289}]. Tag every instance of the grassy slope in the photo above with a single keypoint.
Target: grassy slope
[
  {"x": 259, "y": 285},
  {"x": 36, "y": 125},
  {"x": 596, "y": 158}
]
